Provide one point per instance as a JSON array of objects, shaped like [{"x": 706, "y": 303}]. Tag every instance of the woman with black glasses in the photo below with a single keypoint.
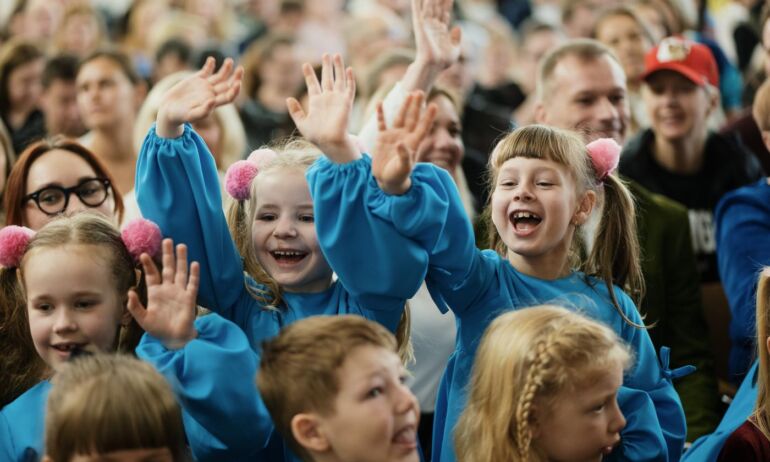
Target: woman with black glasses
[{"x": 58, "y": 176}]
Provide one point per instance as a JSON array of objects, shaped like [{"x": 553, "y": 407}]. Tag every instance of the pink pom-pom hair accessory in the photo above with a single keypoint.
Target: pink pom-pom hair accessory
[
  {"x": 605, "y": 155},
  {"x": 141, "y": 236},
  {"x": 13, "y": 244},
  {"x": 240, "y": 175}
]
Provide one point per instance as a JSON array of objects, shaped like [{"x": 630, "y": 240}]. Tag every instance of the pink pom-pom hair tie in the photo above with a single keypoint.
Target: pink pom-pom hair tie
[
  {"x": 240, "y": 175},
  {"x": 141, "y": 236},
  {"x": 605, "y": 155},
  {"x": 13, "y": 244}
]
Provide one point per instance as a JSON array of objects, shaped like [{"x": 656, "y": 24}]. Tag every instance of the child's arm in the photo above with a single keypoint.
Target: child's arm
[
  {"x": 208, "y": 361},
  {"x": 177, "y": 186},
  {"x": 437, "y": 47},
  {"x": 648, "y": 375}
]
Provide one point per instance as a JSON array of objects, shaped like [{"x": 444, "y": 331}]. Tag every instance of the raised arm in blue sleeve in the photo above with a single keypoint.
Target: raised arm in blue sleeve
[
  {"x": 213, "y": 377},
  {"x": 378, "y": 265},
  {"x": 177, "y": 187}
]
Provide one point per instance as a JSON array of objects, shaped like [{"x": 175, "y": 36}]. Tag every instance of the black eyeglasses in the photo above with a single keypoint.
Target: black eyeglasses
[{"x": 53, "y": 200}]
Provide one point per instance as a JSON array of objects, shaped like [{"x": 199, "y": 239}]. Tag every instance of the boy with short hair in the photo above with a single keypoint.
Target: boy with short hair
[{"x": 334, "y": 387}]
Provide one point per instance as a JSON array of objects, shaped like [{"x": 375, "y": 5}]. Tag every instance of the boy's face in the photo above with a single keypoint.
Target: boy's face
[{"x": 375, "y": 415}]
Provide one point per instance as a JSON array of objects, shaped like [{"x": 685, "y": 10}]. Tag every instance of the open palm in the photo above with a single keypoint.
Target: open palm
[
  {"x": 170, "y": 311},
  {"x": 395, "y": 151}
]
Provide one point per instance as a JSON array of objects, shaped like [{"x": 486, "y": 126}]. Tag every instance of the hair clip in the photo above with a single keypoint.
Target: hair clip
[
  {"x": 13, "y": 243},
  {"x": 240, "y": 175},
  {"x": 605, "y": 155},
  {"x": 141, "y": 236}
]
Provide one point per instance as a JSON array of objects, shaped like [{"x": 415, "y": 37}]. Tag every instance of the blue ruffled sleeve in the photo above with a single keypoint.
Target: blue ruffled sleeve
[
  {"x": 213, "y": 378},
  {"x": 375, "y": 259},
  {"x": 177, "y": 187},
  {"x": 650, "y": 376}
]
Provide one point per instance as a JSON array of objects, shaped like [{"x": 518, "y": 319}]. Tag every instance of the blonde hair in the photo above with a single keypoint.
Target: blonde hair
[
  {"x": 762, "y": 410},
  {"x": 105, "y": 403},
  {"x": 293, "y": 154},
  {"x": 615, "y": 257},
  {"x": 527, "y": 356},
  {"x": 299, "y": 368},
  {"x": 226, "y": 117}
]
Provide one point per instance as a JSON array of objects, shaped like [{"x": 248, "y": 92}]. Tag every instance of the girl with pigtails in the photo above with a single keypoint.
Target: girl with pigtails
[
  {"x": 83, "y": 294},
  {"x": 544, "y": 184}
]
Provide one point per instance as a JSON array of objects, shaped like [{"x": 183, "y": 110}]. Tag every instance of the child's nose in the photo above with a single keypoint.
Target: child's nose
[
  {"x": 523, "y": 193},
  {"x": 64, "y": 321},
  {"x": 284, "y": 228},
  {"x": 618, "y": 421},
  {"x": 406, "y": 401}
]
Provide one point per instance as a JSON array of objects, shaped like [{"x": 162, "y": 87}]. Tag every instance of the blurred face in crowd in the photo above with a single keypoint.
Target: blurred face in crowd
[
  {"x": 59, "y": 103},
  {"x": 766, "y": 45},
  {"x": 626, "y": 38},
  {"x": 443, "y": 146},
  {"x": 105, "y": 95},
  {"x": 535, "y": 46},
  {"x": 281, "y": 70},
  {"x": 25, "y": 86},
  {"x": 588, "y": 96},
  {"x": 677, "y": 108}
]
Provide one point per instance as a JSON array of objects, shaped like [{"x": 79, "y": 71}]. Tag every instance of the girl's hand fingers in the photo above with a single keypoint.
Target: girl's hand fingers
[
  {"x": 404, "y": 157},
  {"x": 340, "y": 77},
  {"x": 181, "y": 265},
  {"x": 136, "y": 308},
  {"x": 224, "y": 72},
  {"x": 167, "y": 273},
  {"x": 327, "y": 79},
  {"x": 311, "y": 81},
  {"x": 194, "y": 281},
  {"x": 413, "y": 112},
  {"x": 398, "y": 122},
  {"x": 381, "y": 125},
  {"x": 351, "y": 83},
  {"x": 208, "y": 68},
  {"x": 296, "y": 112},
  {"x": 425, "y": 123},
  {"x": 151, "y": 274}
]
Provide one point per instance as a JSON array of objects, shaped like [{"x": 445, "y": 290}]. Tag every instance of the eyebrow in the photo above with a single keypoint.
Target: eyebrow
[{"x": 59, "y": 183}]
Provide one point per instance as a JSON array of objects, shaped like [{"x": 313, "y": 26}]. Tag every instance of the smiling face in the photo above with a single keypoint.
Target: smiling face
[
  {"x": 583, "y": 423},
  {"x": 535, "y": 207},
  {"x": 678, "y": 109},
  {"x": 60, "y": 168},
  {"x": 626, "y": 38},
  {"x": 443, "y": 146},
  {"x": 79, "y": 308},
  {"x": 375, "y": 414},
  {"x": 283, "y": 232},
  {"x": 587, "y": 96}
]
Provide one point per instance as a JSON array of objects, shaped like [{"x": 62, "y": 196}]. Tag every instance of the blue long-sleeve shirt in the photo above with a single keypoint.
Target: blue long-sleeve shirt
[
  {"x": 177, "y": 188},
  {"x": 479, "y": 285},
  {"x": 212, "y": 377},
  {"x": 743, "y": 249}
]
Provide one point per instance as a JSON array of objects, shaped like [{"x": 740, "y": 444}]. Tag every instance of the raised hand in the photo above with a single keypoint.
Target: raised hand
[
  {"x": 197, "y": 96},
  {"x": 395, "y": 152},
  {"x": 436, "y": 42},
  {"x": 325, "y": 123},
  {"x": 170, "y": 311}
]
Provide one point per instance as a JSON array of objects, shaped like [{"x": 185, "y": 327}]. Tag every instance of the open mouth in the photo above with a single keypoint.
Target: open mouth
[
  {"x": 288, "y": 257},
  {"x": 407, "y": 436},
  {"x": 68, "y": 347},
  {"x": 524, "y": 222}
]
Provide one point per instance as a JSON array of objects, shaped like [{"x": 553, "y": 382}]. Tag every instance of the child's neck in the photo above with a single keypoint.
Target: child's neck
[
  {"x": 549, "y": 266},
  {"x": 681, "y": 156}
]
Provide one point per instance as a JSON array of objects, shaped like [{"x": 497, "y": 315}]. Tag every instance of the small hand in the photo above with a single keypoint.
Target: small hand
[
  {"x": 195, "y": 97},
  {"x": 170, "y": 311},
  {"x": 329, "y": 104},
  {"x": 395, "y": 152},
  {"x": 436, "y": 43}
]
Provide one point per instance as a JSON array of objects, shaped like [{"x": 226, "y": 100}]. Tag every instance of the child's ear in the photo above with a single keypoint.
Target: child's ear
[
  {"x": 534, "y": 423},
  {"x": 306, "y": 429},
  {"x": 585, "y": 207}
]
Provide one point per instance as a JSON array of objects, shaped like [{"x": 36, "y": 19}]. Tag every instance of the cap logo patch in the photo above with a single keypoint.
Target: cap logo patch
[{"x": 673, "y": 50}]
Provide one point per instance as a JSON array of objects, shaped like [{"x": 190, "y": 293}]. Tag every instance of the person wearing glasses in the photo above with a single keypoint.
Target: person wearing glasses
[{"x": 58, "y": 176}]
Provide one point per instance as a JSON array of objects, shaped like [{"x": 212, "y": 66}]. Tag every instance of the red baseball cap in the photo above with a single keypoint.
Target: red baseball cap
[{"x": 688, "y": 58}]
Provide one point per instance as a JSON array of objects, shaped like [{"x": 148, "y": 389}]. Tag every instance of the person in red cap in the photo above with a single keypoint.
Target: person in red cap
[{"x": 679, "y": 157}]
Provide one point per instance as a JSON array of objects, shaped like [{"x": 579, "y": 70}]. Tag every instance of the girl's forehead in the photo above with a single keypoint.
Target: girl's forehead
[{"x": 521, "y": 163}]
